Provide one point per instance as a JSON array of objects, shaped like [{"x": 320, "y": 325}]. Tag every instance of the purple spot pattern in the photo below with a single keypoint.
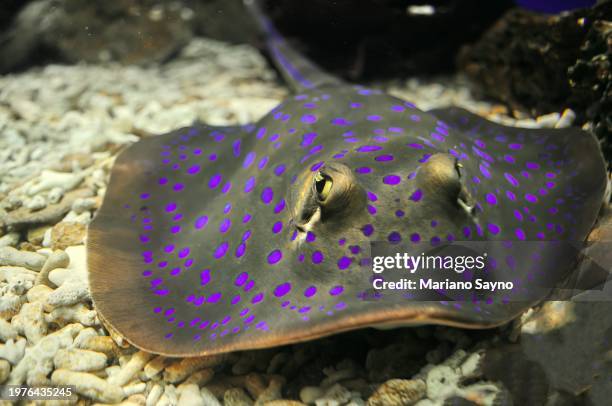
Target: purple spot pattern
[{"x": 493, "y": 162}]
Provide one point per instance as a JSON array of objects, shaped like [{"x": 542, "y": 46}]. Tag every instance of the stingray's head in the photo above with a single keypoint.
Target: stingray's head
[{"x": 397, "y": 201}]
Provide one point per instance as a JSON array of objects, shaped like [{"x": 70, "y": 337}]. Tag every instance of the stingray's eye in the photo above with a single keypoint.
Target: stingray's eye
[
  {"x": 329, "y": 196},
  {"x": 323, "y": 185}
]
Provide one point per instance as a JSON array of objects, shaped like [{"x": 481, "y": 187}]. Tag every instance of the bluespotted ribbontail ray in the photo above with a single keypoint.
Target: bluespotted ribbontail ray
[{"x": 215, "y": 239}]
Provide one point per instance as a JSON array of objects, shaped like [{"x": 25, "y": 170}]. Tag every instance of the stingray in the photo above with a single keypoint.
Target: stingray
[{"x": 216, "y": 239}]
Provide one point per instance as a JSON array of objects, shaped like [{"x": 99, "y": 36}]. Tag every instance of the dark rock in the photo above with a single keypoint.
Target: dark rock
[
  {"x": 573, "y": 354},
  {"x": 524, "y": 379},
  {"x": 21, "y": 33},
  {"x": 397, "y": 360},
  {"x": 590, "y": 79},
  {"x": 79, "y": 30},
  {"x": 458, "y": 401},
  {"x": 225, "y": 20},
  {"x": 358, "y": 40},
  {"x": 523, "y": 59},
  {"x": 10, "y": 8},
  {"x": 374, "y": 38},
  {"x": 543, "y": 63},
  {"x": 599, "y": 394},
  {"x": 125, "y": 31},
  {"x": 566, "y": 362}
]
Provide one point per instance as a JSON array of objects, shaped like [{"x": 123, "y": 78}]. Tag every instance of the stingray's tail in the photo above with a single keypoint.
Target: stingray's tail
[{"x": 299, "y": 72}]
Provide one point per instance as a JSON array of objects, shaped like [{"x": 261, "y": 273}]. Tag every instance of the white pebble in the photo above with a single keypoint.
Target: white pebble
[
  {"x": 51, "y": 179},
  {"x": 548, "y": 120},
  {"x": 46, "y": 242},
  {"x": 334, "y": 376},
  {"x": 36, "y": 203},
  {"x": 76, "y": 313},
  {"x": 71, "y": 292},
  {"x": 155, "y": 366},
  {"x": 189, "y": 394},
  {"x": 471, "y": 366},
  {"x": 55, "y": 195},
  {"x": 13, "y": 350},
  {"x": 84, "y": 335},
  {"x": 79, "y": 360},
  {"x": 335, "y": 395},
  {"x": 31, "y": 322},
  {"x": 38, "y": 359},
  {"x": 309, "y": 394},
  {"x": 134, "y": 388},
  {"x": 13, "y": 257},
  {"x": 20, "y": 283},
  {"x": 567, "y": 119},
  {"x": 7, "y": 332},
  {"x": 129, "y": 370},
  {"x": 59, "y": 275},
  {"x": 169, "y": 397},
  {"x": 442, "y": 382},
  {"x": 89, "y": 385},
  {"x": 209, "y": 398},
  {"x": 154, "y": 395},
  {"x": 9, "y": 240},
  {"x": 5, "y": 370},
  {"x": 81, "y": 205}
]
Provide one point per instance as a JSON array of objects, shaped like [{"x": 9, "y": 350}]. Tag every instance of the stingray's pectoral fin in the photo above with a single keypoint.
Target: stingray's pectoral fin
[
  {"x": 537, "y": 186},
  {"x": 556, "y": 171},
  {"x": 136, "y": 243}
]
